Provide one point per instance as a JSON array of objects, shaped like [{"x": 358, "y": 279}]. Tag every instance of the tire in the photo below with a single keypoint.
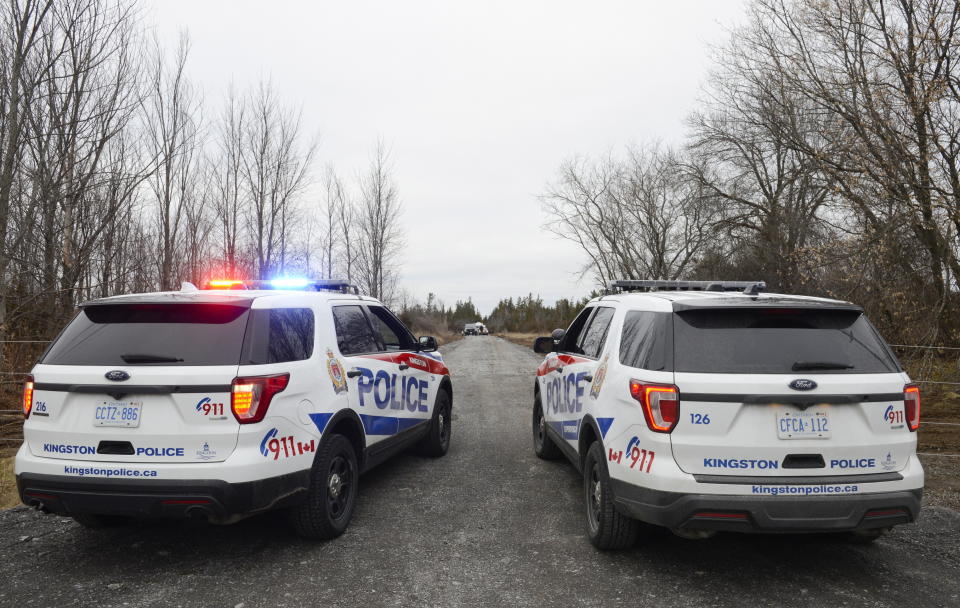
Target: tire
[
  {"x": 437, "y": 441},
  {"x": 333, "y": 492},
  {"x": 543, "y": 446},
  {"x": 607, "y": 528},
  {"x": 99, "y": 522}
]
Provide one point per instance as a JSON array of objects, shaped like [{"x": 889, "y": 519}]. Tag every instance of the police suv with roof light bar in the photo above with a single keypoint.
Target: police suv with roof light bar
[
  {"x": 704, "y": 406},
  {"x": 225, "y": 402}
]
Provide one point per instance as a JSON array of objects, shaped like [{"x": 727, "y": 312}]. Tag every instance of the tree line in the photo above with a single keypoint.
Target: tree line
[
  {"x": 116, "y": 175},
  {"x": 823, "y": 158}
]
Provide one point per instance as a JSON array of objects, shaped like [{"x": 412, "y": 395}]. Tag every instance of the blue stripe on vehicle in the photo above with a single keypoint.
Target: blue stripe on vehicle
[
  {"x": 407, "y": 423},
  {"x": 321, "y": 420},
  {"x": 571, "y": 429},
  {"x": 373, "y": 425},
  {"x": 379, "y": 425},
  {"x": 568, "y": 429},
  {"x": 604, "y": 424},
  {"x": 387, "y": 425}
]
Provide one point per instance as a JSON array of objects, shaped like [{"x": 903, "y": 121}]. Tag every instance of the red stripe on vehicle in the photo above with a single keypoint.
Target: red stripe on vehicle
[
  {"x": 414, "y": 360},
  {"x": 553, "y": 363}
]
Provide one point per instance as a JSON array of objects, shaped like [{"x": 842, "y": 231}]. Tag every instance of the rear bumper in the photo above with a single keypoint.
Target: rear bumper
[
  {"x": 741, "y": 513},
  {"x": 216, "y": 500}
]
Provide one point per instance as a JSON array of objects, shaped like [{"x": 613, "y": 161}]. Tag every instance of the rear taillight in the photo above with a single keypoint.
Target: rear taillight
[
  {"x": 660, "y": 404},
  {"x": 27, "y": 397},
  {"x": 250, "y": 397},
  {"x": 911, "y": 405}
]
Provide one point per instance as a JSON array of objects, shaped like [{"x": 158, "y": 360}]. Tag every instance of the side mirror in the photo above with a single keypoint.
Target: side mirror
[
  {"x": 428, "y": 344},
  {"x": 543, "y": 345}
]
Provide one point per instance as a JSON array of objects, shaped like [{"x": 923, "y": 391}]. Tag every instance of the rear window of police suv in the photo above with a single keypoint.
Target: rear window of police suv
[{"x": 183, "y": 335}]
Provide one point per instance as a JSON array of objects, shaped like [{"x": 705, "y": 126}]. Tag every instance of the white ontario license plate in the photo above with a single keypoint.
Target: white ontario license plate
[
  {"x": 117, "y": 413},
  {"x": 810, "y": 424}
]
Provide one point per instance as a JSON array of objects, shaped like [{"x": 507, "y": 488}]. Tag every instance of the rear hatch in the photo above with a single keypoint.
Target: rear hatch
[
  {"x": 787, "y": 391},
  {"x": 140, "y": 382}
]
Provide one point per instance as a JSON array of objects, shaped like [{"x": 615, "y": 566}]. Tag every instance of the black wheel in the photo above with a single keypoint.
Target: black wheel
[
  {"x": 333, "y": 492},
  {"x": 97, "y": 522},
  {"x": 606, "y": 527},
  {"x": 437, "y": 441},
  {"x": 543, "y": 446}
]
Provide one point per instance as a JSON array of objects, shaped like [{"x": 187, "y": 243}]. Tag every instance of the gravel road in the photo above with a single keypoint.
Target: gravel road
[{"x": 489, "y": 524}]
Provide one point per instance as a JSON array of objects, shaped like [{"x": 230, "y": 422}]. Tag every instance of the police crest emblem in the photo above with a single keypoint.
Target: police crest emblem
[
  {"x": 598, "y": 378},
  {"x": 337, "y": 376}
]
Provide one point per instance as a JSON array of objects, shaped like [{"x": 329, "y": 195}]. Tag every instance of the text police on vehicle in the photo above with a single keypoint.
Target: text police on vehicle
[
  {"x": 683, "y": 404},
  {"x": 238, "y": 398}
]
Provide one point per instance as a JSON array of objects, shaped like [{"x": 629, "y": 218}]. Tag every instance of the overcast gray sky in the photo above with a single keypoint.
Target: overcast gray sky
[{"x": 480, "y": 102}]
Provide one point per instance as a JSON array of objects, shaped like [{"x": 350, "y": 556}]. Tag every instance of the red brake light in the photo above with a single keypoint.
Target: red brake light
[
  {"x": 250, "y": 397},
  {"x": 911, "y": 405},
  {"x": 660, "y": 404},
  {"x": 27, "y": 397}
]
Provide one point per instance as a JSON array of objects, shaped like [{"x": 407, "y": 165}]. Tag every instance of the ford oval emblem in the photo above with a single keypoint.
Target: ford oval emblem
[
  {"x": 802, "y": 384},
  {"x": 117, "y": 375}
]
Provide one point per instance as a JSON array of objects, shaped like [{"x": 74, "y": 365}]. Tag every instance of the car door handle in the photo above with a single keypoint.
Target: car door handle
[
  {"x": 588, "y": 378},
  {"x": 353, "y": 373},
  {"x": 404, "y": 366}
]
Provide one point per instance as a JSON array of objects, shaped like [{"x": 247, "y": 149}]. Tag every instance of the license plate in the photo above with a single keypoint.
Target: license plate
[
  {"x": 117, "y": 413},
  {"x": 803, "y": 425}
]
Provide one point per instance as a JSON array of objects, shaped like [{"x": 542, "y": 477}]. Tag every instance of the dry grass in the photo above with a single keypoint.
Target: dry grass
[
  {"x": 446, "y": 337},
  {"x": 8, "y": 484},
  {"x": 523, "y": 339}
]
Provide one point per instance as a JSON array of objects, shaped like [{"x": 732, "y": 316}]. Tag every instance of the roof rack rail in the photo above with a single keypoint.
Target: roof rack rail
[
  {"x": 746, "y": 287},
  {"x": 338, "y": 285}
]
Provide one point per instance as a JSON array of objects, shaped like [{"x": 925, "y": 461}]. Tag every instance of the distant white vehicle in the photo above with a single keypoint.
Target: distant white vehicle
[{"x": 711, "y": 406}]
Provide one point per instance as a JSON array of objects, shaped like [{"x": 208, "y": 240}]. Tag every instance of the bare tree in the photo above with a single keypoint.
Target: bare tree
[
  {"x": 348, "y": 229},
  {"x": 770, "y": 195},
  {"x": 378, "y": 217},
  {"x": 332, "y": 238},
  {"x": 226, "y": 167},
  {"x": 276, "y": 166},
  {"x": 172, "y": 111},
  {"x": 882, "y": 74},
  {"x": 636, "y": 218}
]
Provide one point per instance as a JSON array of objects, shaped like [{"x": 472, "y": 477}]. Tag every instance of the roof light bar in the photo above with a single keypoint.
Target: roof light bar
[
  {"x": 291, "y": 283},
  {"x": 747, "y": 287}
]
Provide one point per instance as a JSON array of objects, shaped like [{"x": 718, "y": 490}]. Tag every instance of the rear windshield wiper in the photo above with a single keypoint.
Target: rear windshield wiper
[
  {"x": 149, "y": 359},
  {"x": 808, "y": 365}
]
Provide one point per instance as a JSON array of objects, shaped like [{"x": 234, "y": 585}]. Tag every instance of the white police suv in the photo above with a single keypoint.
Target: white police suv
[
  {"x": 224, "y": 402},
  {"x": 704, "y": 406}
]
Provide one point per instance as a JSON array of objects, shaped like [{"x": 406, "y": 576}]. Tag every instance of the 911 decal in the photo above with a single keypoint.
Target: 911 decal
[
  {"x": 285, "y": 447},
  {"x": 207, "y": 407},
  {"x": 639, "y": 458},
  {"x": 893, "y": 416}
]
